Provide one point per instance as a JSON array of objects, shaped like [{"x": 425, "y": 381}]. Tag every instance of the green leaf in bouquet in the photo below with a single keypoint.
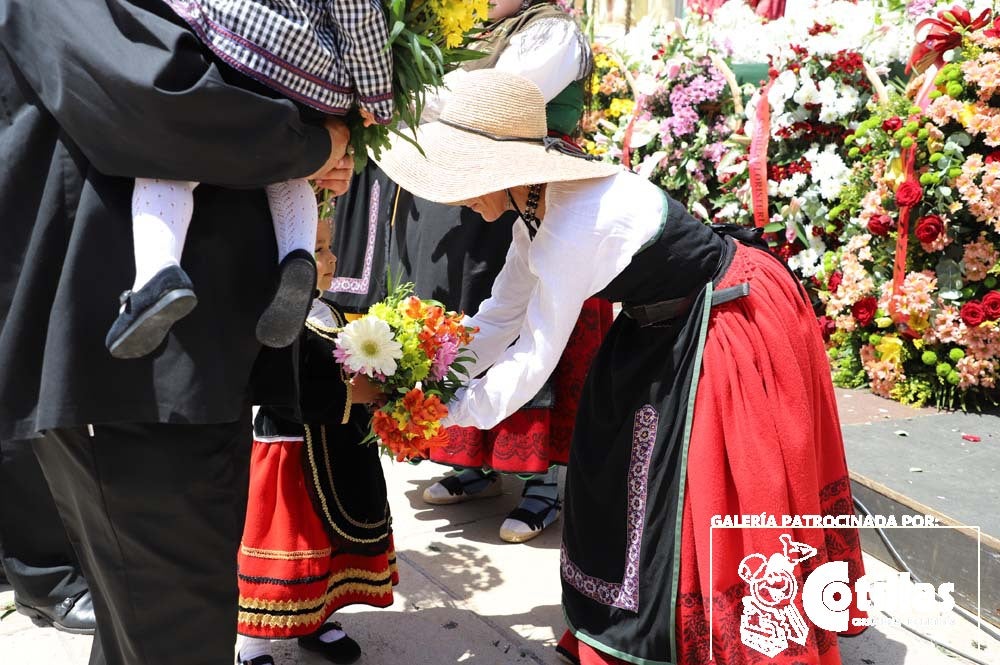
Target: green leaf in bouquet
[
  {"x": 774, "y": 227},
  {"x": 418, "y": 54},
  {"x": 961, "y": 138},
  {"x": 408, "y": 138},
  {"x": 438, "y": 59},
  {"x": 464, "y": 55},
  {"x": 949, "y": 274},
  {"x": 397, "y": 28},
  {"x": 800, "y": 233}
]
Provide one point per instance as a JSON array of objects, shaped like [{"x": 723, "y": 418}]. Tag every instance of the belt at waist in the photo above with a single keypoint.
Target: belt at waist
[{"x": 665, "y": 310}]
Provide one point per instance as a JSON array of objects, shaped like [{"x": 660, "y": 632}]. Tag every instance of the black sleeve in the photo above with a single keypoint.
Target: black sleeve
[
  {"x": 322, "y": 393},
  {"x": 141, "y": 97}
]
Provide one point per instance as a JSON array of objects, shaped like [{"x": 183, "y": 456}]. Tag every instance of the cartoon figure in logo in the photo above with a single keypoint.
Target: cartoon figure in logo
[{"x": 770, "y": 619}]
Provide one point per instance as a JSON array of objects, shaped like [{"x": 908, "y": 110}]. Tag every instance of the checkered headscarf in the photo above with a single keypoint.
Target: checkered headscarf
[{"x": 328, "y": 54}]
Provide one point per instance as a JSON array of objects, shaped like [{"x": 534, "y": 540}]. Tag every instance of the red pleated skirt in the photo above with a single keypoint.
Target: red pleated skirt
[
  {"x": 765, "y": 438},
  {"x": 531, "y": 440},
  {"x": 292, "y": 577}
]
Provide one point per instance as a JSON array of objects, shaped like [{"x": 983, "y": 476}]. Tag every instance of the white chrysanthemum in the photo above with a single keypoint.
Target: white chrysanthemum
[
  {"x": 807, "y": 93},
  {"x": 369, "y": 347},
  {"x": 829, "y": 170}
]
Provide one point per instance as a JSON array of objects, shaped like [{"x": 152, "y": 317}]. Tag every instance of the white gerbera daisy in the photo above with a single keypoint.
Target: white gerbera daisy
[{"x": 367, "y": 346}]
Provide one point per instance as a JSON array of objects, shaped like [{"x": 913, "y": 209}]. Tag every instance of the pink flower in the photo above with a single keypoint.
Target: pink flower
[
  {"x": 445, "y": 356},
  {"x": 980, "y": 255},
  {"x": 883, "y": 374},
  {"x": 916, "y": 297}
]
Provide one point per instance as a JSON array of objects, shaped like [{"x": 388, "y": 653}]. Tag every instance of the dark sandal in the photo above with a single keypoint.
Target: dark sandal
[
  {"x": 457, "y": 489},
  {"x": 535, "y": 520}
]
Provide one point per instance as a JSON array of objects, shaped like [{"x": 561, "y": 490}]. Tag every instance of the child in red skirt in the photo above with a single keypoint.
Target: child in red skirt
[{"x": 318, "y": 531}]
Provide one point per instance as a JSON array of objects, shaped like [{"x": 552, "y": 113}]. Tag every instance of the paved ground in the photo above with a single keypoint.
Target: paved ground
[{"x": 466, "y": 597}]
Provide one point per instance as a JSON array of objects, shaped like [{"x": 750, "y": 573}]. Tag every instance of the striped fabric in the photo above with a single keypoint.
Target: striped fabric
[{"x": 328, "y": 54}]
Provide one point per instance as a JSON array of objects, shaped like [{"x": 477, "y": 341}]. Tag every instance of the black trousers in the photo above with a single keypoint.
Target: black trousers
[
  {"x": 156, "y": 513},
  {"x": 38, "y": 558}
]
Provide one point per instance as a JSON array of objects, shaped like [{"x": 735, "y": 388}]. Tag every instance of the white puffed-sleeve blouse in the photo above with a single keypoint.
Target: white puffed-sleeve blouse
[{"x": 590, "y": 232}]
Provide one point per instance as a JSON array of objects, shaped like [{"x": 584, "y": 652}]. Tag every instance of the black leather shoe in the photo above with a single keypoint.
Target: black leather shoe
[
  {"x": 72, "y": 615},
  {"x": 266, "y": 659},
  {"x": 284, "y": 317},
  {"x": 342, "y": 652},
  {"x": 149, "y": 313}
]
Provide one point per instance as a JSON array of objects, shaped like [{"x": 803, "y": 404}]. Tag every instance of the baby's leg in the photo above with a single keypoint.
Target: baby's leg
[
  {"x": 162, "y": 293},
  {"x": 161, "y": 214},
  {"x": 294, "y": 211}
]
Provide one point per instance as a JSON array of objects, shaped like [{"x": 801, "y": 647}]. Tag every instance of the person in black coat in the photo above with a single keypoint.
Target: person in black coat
[
  {"x": 147, "y": 458},
  {"x": 36, "y": 554}
]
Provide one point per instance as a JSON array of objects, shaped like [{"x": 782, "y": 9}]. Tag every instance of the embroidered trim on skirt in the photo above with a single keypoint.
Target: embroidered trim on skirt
[
  {"x": 531, "y": 440},
  {"x": 729, "y": 412},
  {"x": 292, "y": 575}
]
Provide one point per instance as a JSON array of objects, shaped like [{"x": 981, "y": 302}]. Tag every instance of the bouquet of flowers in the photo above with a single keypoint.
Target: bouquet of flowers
[
  {"x": 814, "y": 99},
  {"x": 912, "y": 299},
  {"x": 675, "y": 130},
  {"x": 426, "y": 38},
  {"x": 414, "y": 351}
]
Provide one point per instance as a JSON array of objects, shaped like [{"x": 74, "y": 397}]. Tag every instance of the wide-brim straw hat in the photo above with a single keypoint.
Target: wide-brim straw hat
[{"x": 491, "y": 136}]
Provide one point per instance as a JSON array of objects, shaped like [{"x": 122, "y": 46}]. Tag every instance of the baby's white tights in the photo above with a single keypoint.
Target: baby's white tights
[{"x": 161, "y": 215}]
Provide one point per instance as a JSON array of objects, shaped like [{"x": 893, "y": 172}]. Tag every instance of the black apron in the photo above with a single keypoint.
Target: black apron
[{"x": 629, "y": 443}]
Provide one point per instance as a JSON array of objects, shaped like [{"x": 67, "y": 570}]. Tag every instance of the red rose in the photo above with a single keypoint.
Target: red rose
[
  {"x": 929, "y": 229},
  {"x": 909, "y": 194},
  {"x": 835, "y": 279},
  {"x": 991, "y": 305},
  {"x": 993, "y": 157},
  {"x": 879, "y": 225},
  {"x": 892, "y": 124},
  {"x": 864, "y": 310},
  {"x": 973, "y": 313},
  {"x": 826, "y": 327}
]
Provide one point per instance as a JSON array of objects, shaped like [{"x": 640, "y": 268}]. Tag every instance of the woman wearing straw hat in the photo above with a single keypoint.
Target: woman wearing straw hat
[
  {"x": 451, "y": 260},
  {"x": 711, "y": 395}
]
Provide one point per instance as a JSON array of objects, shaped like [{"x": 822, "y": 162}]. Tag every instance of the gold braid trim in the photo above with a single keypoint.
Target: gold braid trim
[
  {"x": 336, "y": 497},
  {"x": 332, "y": 591},
  {"x": 330, "y": 335},
  {"x": 322, "y": 496},
  {"x": 284, "y": 556},
  {"x": 284, "y": 621}
]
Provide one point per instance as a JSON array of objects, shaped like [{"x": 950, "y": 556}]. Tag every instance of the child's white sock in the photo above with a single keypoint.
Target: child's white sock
[
  {"x": 332, "y": 634},
  {"x": 295, "y": 213},
  {"x": 161, "y": 214},
  {"x": 251, "y": 647}
]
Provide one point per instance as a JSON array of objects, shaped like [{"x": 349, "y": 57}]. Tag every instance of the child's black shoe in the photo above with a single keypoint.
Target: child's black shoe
[
  {"x": 341, "y": 652},
  {"x": 284, "y": 317},
  {"x": 148, "y": 314}
]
